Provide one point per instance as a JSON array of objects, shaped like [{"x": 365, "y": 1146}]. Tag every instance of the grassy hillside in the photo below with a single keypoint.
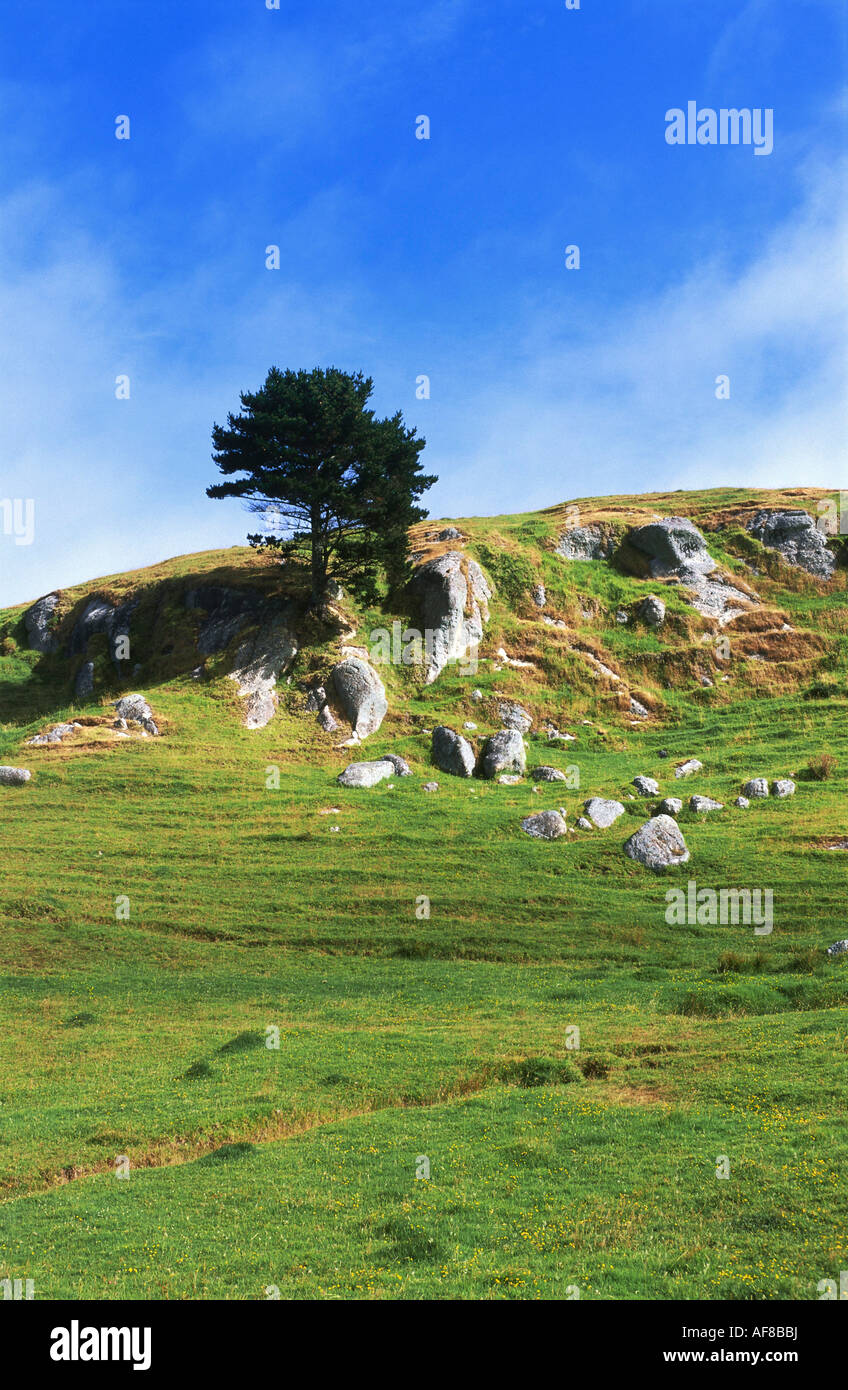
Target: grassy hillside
[{"x": 448, "y": 1038}]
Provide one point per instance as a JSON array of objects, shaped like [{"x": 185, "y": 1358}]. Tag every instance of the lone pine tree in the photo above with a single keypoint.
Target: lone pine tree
[{"x": 331, "y": 481}]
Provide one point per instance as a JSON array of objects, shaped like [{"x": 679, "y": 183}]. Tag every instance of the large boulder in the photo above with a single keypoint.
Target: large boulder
[
  {"x": 14, "y": 776},
  {"x": 646, "y": 786},
  {"x": 586, "y": 543},
  {"x": 504, "y": 752},
  {"x": 796, "y": 537},
  {"x": 452, "y": 753},
  {"x": 547, "y": 825},
  {"x": 454, "y": 601},
  {"x": 367, "y": 774},
  {"x": 658, "y": 844},
  {"x": 136, "y": 707},
  {"x": 37, "y": 623},
  {"x": 361, "y": 694},
  {"x": 258, "y": 662},
  {"x": 603, "y": 813},
  {"x": 783, "y": 787},
  {"x": 673, "y": 546}
]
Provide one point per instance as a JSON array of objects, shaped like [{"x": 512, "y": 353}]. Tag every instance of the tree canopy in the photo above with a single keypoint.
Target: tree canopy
[{"x": 330, "y": 479}]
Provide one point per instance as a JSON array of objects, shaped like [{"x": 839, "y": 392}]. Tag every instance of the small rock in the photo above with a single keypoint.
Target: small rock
[
  {"x": 838, "y": 947},
  {"x": 508, "y": 780},
  {"x": 704, "y": 803},
  {"x": 757, "y": 788},
  {"x": 742, "y": 802},
  {"x": 671, "y": 806},
  {"x": 646, "y": 786},
  {"x": 476, "y": 696},
  {"x": 136, "y": 707},
  {"x": 652, "y": 611},
  {"x": 469, "y": 725},
  {"x": 658, "y": 844},
  {"x": 548, "y": 774},
  {"x": 539, "y": 597},
  {"x": 584, "y": 824},
  {"x": 603, "y": 813},
  {"x": 430, "y": 787},
  {"x": 366, "y": 774},
  {"x": 637, "y": 708},
  {"x": 402, "y": 768},
  {"x": 686, "y": 769},
  {"x": 547, "y": 825},
  {"x": 783, "y": 788},
  {"x": 14, "y": 776}
]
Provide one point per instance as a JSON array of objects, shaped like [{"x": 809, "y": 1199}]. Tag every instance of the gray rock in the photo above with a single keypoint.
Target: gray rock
[
  {"x": 136, "y": 707},
  {"x": 477, "y": 696},
  {"x": 658, "y": 844},
  {"x": 100, "y": 616},
  {"x": 586, "y": 543},
  {"x": 326, "y": 720},
  {"x": 37, "y": 624},
  {"x": 258, "y": 662},
  {"x": 584, "y": 824},
  {"x": 14, "y": 776},
  {"x": 430, "y": 787},
  {"x": 454, "y": 600},
  {"x": 783, "y": 788},
  {"x": 401, "y": 767},
  {"x": 227, "y": 612},
  {"x": 539, "y": 596},
  {"x": 603, "y": 813},
  {"x": 796, "y": 537},
  {"x": 509, "y": 780},
  {"x": 686, "y": 769},
  {"x": 547, "y": 825},
  {"x": 673, "y": 546},
  {"x": 742, "y": 802},
  {"x": 504, "y": 752},
  {"x": 548, "y": 774},
  {"x": 450, "y": 533},
  {"x": 622, "y": 618},
  {"x": 704, "y": 803},
  {"x": 756, "y": 789},
  {"x": 637, "y": 708},
  {"x": 84, "y": 682},
  {"x": 54, "y": 735},
  {"x": 452, "y": 753},
  {"x": 512, "y": 716},
  {"x": 646, "y": 786},
  {"x": 838, "y": 947},
  {"x": 671, "y": 806},
  {"x": 652, "y": 611},
  {"x": 361, "y": 694},
  {"x": 366, "y": 774}
]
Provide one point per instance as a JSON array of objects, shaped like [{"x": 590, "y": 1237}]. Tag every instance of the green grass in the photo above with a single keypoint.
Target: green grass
[{"x": 552, "y": 1167}]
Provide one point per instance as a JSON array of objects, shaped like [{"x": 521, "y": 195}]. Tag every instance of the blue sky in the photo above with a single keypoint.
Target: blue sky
[{"x": 403, "y": 257}]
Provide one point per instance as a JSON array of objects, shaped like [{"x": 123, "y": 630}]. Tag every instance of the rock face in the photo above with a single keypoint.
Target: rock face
[
  {"x": 704, "y": 803},
  {"x": 674, "y": 546},
  {"x": 258, "y": 662},
  {"x": 797, "y": 538},
  {"x": 512, "y": 716},
  {"x": 504, "y": 752},
  {"x": 603, "y": 813},
  {"x": 757, "y": 788},
  {"x": 454, "y": 598},
  {"x": 14, "y": 776},
  {"x": 652, "y": 611},
  {"x": 547, "y": 825},
  {"x": 136, "y": 707},
  {"x": 100, "y": 616},
  {"x": 783, "y": 788},
  {"x": 37, "y": 624},
  {"x": 585, "y": 543},
  {"x": 658, "y": 844},
  {"x": 227, "y": 612},
  {"x": 84, "y": 680},
  {"x": 686, "y": 769},
  {"x": 366, "y": 774},
  {"x": 548, "y": 774},
  {"x": 671, "y": 806},
  {"x": 646, "y": 786},
  {"x": 452, "y": 753},
  {"x": 361, "y": 694}
]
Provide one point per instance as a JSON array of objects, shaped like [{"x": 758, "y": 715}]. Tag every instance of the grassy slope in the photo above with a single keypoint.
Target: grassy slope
[{"x": 402, "y": 1037}]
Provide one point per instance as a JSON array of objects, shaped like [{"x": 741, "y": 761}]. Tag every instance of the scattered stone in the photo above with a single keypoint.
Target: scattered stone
[
  {"x": 637, "y": 708},
  {"x": 603, "y": 813},
  {"x": 584, "y": 824},
  {"x": 401, "y": 767},
  {"x": 14, "y": 776},
  {"x": 469, "y": 725},
  {"x": 430, "y": 787},
  {"x": 646, "y": 786},
  {"x": 622, "y": 618},
  {"x": 361, "y": 694},
  {"x": 705, "y": 681},
  {"x": 450, "y": 533},
  {"x": 704, "y": 803},
  {"x": 671, "y": 806},
  {"x": 504, "y": 752},
  {"x": 686, "y": 769},
  {"x": 508, "y": 780},
  {"x": 742, "y": 802},
  {"x": 783, "y": 788},
  {"x": 838, "y": 947},
  {"x": 658, "y": 844},
  {"x": 539, "y": 596},
  {"x": 55, "y": 735},
  {"x": 651, "y": 611},
  {"x": 366, "y": 774},
  {"x": 547, "y": 825},
  {"x": 37, "y": 624},
  {"x": 512, "y": 716},
  {"x": 548, "y": 774},
  {"x": 796, "y": 537},
  {"x": 452, "y": 753},
  {"x": 757, "y": 788},
  {"x": 476, "y": 696}
]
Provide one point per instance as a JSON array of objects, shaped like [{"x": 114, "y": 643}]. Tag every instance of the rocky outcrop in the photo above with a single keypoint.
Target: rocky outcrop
[
  {"x": 796, "y": 537},
  {"x": 14, "y": 776},
  {"x": 258, "y": 662},
  {"x": 512, "y": 716},
  {"x": 547, "y": 825},
  {"x": 658, "y": 844},
  {"x": 367, "y": 774},
  {"x": 504, "y": 752},
  {"x": 226, "y": 611},
  {"x": 454, "y": 599},
  {"x": 37, "y": 623},
  {"x": 361, "y": 695},
  {"x": 586, "y": 543},
  {"x": 452, "y": 753},
  {"x": 603, "y": 813},
  {"x": 673, "y": 547},
  {"x": 102, "y": 617}
]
